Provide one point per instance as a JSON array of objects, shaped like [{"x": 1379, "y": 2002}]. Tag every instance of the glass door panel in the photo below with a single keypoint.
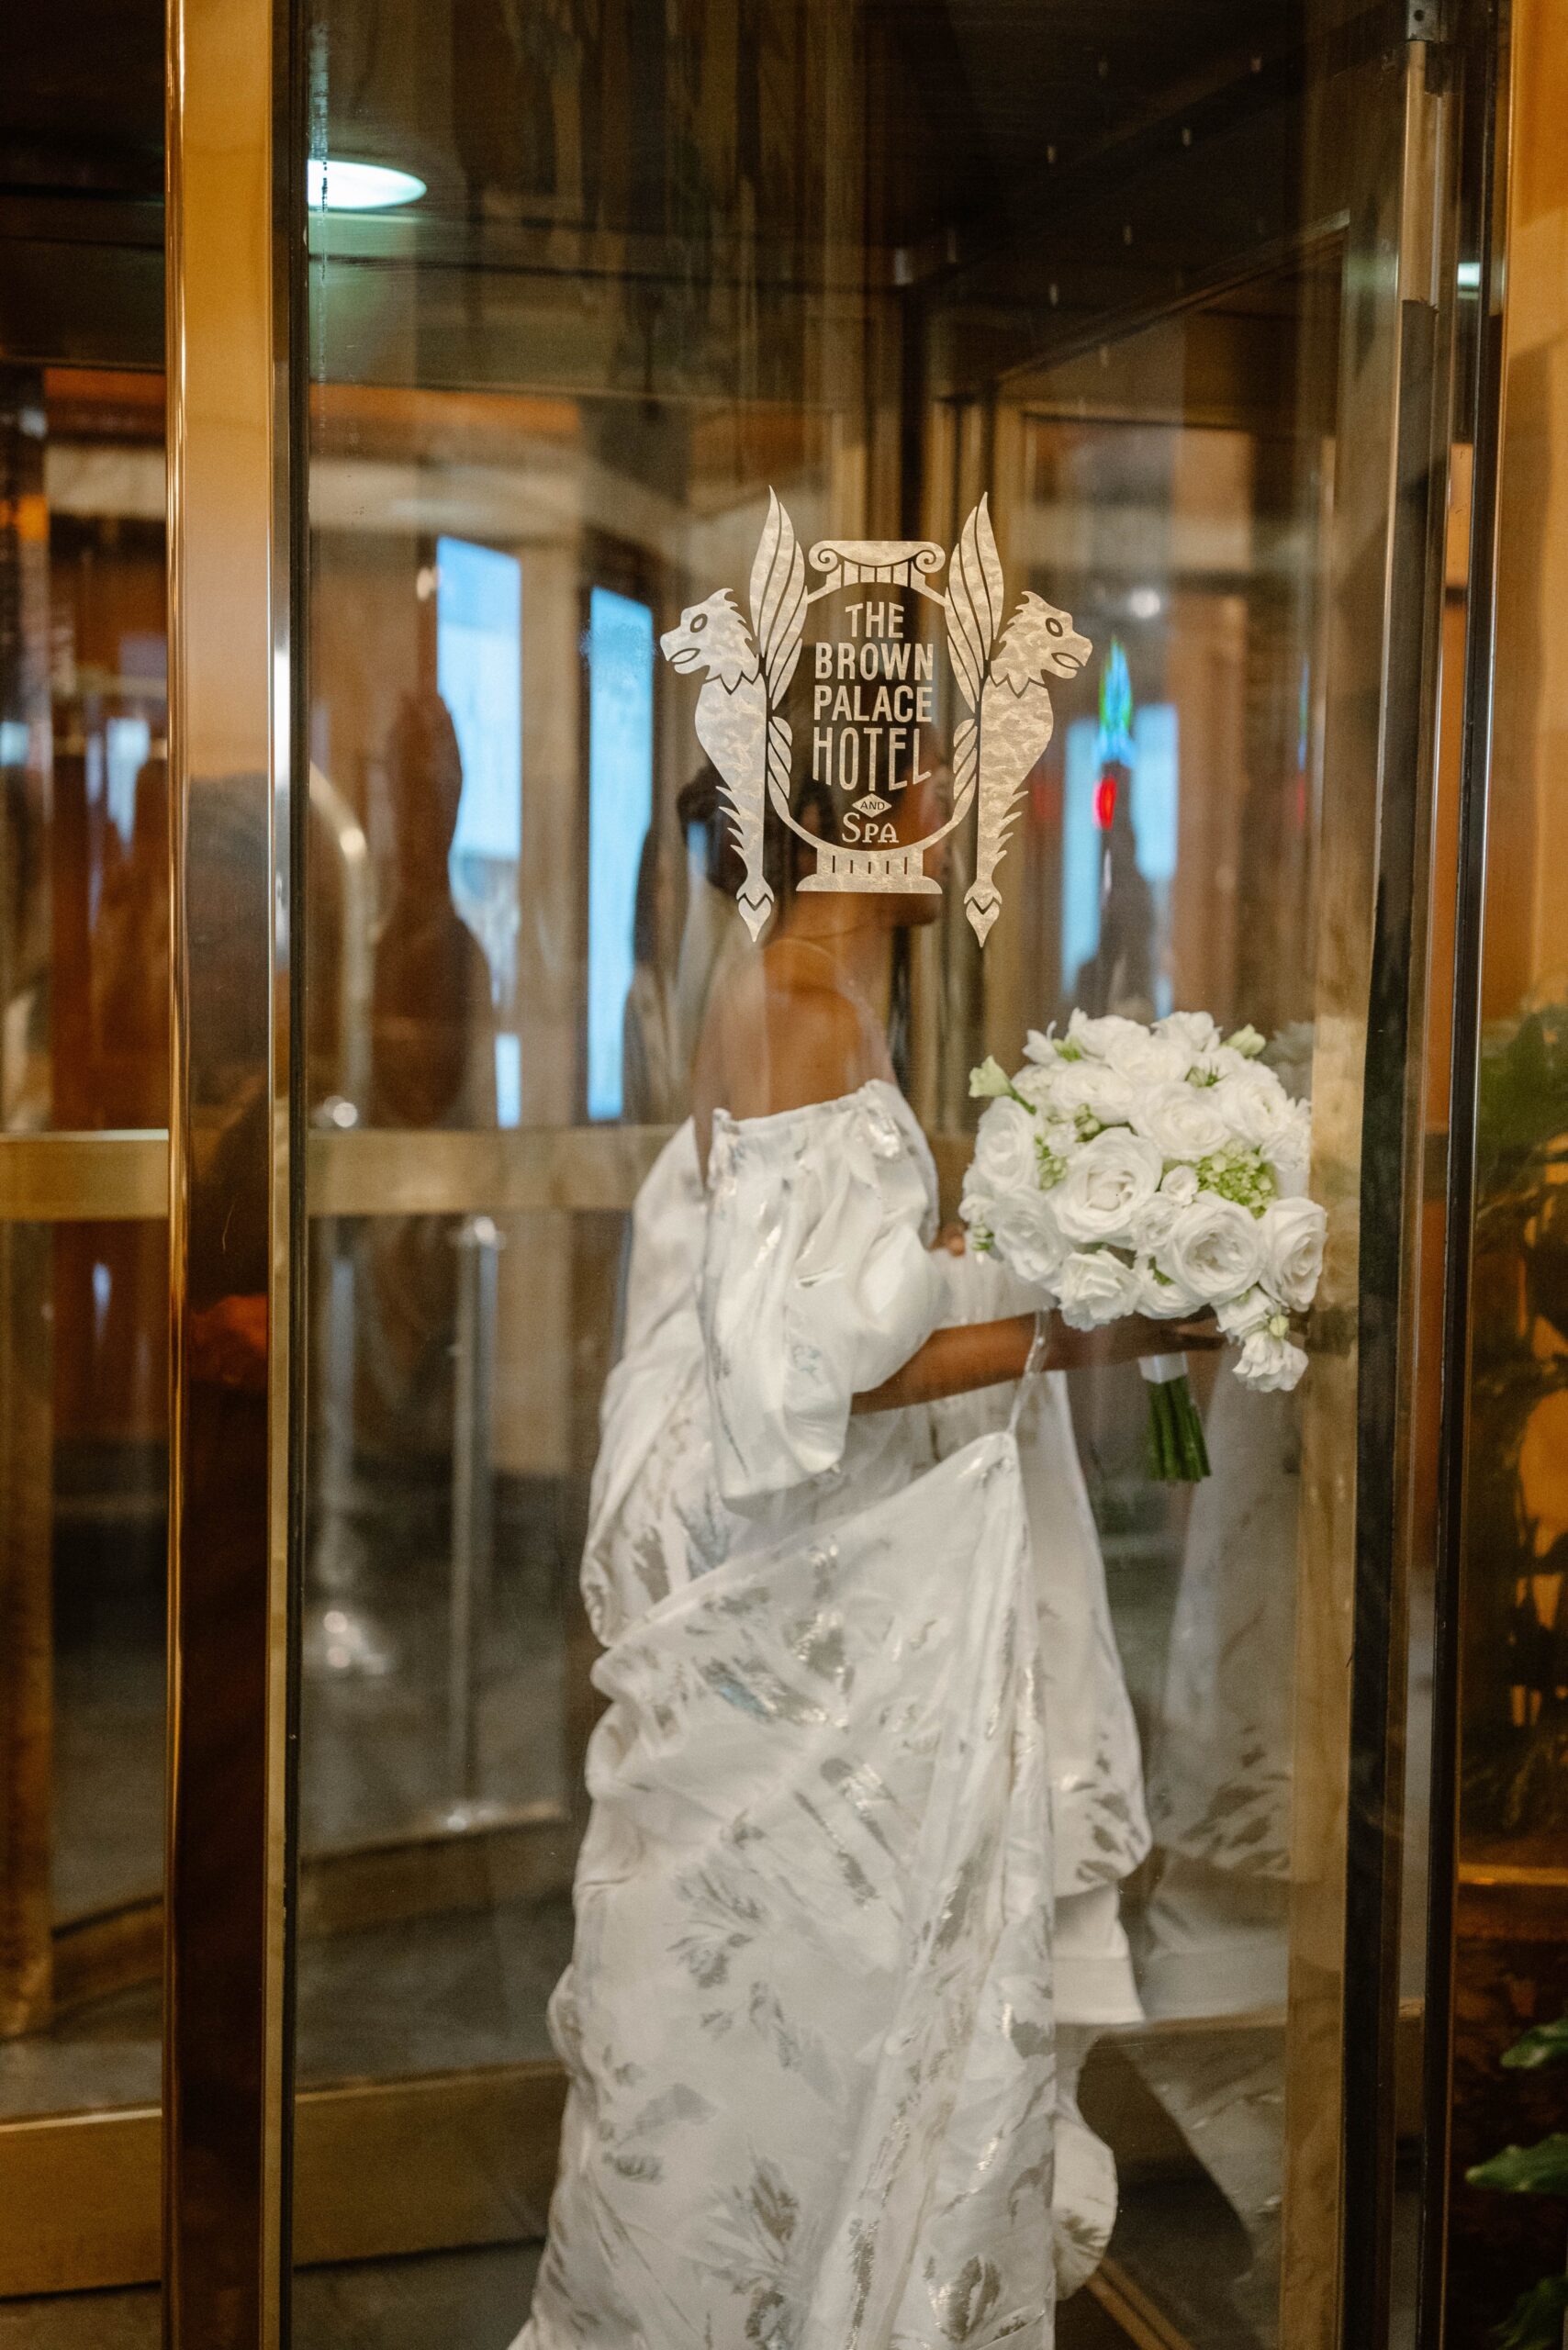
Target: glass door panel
[
  {"x": 673, "y": 375},
  {"x": 84, "y": 1110}
]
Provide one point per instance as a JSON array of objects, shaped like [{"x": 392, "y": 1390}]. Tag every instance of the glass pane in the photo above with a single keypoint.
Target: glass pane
[
  {"x": 821, "y": 527},
  {"x": 83, "y": 1101},
  {"x": 1504, "y": 2245}
]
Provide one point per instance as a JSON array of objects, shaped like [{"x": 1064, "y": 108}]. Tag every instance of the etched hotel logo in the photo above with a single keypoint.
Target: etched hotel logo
[{"x": 864, "y": 703}]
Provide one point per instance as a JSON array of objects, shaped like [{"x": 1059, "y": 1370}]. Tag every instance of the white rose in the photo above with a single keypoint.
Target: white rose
[
  {"x": 1097, "y": 1036},
  {"x": 1293, "y": 1233},
  {"x": 1216, "y": 1249},
  {"x": 1290, "y": 1156},
  {"x": 1161, "y": 1298},
  {"x": 1106, "y": 1185},
  {"x": 1094, "y": 1086},
  {"x": 1028, "y": 1240},
  {"x": 1146, "y": 1060},
  {"x": 1181, "y": 1121},
  {"x": 1195, "y": 1030},
  {"x": 1267, "y": 1362},
  {"x": 1004, "y": 1159},
  {"x": 1154, "y": 1222},
  {"x": 1181, "y": 1184},
  {"x": 1255, "y": 1106},
  {"x": 1094, "y": 1286}
]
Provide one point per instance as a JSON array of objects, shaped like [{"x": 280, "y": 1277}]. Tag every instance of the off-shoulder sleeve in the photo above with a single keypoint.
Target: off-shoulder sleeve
[{"x": 816, "y": 1284}]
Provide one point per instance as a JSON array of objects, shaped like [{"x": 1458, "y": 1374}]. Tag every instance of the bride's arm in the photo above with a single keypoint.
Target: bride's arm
[{"x": 969, "y": 1355}]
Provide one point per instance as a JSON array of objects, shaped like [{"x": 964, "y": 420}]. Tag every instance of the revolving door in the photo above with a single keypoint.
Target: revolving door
[{"x": 370, "y": 893}]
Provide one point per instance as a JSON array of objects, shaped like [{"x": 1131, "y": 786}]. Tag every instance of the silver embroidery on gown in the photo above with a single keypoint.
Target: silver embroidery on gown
[{"x": 808, "y": 2023}]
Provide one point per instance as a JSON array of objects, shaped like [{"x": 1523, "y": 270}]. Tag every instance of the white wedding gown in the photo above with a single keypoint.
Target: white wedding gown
[{"x": 809, "y": 2020}]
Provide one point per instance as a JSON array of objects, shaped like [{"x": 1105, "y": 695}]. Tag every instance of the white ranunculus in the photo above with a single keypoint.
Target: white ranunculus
[
  {"x": 1095, "y": 1286},
  {"x": 1146, "y": 1060},
  {"x": 1267, "y": 1362},
  {"x": 1293, "y": 1233},
  {"x": 1181, "y": 1121},
  {"x": 1216, "y": 1249},
  {"x": 1179, "y": 1183},
  {"x": 1028, "y": 1240},
  {"x": 1097, "y": 1036},
  {"x": 1006, "y": 1159},
  {"x": 1106, "y": 1185},
  {"x": 1161, "y": 1297},
  {"x": 1096, "y": 1087},
  {"x": 1195, "y": 1030}
]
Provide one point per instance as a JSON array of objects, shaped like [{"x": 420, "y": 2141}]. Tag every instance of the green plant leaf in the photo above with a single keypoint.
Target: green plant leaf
[
  {"x": 1535, "y": 2322},
  {"x": 1541, "y": 2169},
  {"x": 1545, "y": 2044}
]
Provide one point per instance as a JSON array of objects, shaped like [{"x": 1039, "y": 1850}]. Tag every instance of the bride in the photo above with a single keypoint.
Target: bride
[{"x": 808, "y": 2022}]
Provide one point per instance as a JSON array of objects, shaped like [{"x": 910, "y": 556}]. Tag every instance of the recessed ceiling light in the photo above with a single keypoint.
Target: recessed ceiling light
[{"x": 337, "y": 183}]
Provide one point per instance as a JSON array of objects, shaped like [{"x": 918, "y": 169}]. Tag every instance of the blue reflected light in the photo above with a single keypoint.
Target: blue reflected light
[
  {"x": 478, "y": 672},
  {"x": 621, "y": 802}
]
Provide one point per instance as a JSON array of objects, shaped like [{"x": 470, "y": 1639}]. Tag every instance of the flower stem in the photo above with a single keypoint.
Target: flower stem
[{"x": 1178, "y": 1453}]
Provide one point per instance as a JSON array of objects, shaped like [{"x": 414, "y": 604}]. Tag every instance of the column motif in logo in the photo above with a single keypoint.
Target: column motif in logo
[{"x": 872, "y": 689}]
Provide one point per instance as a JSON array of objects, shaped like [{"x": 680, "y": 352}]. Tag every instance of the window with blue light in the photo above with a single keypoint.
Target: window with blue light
[
  {"x": 1145, "y": 742},
  {"x": 478, "y": 669},
  {"x": 620, "y": 805}
]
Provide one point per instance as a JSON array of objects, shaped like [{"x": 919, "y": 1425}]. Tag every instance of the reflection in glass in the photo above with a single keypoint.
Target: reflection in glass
[
  {"x": 623, "y": 859},
  {"x": 821, "y": 262},
  {"x": 1504, "y": 2246},
  {"x": 83, "y": 1363}
]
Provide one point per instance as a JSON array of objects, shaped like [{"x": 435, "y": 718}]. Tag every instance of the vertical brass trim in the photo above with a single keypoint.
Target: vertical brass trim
[
  {"x": 1377, "y": 140},
  {"x": 229, "y": 543},
  {"x": 1489, "y": 52},
  {"x": 1392, "y": 1186}
]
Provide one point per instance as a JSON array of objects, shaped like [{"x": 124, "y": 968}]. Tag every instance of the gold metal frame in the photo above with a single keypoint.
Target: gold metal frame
[
  {"x": 80, "y": 2203},
  {"x": 231, "y": 160},
  {"x": 1383, "y": 141}
]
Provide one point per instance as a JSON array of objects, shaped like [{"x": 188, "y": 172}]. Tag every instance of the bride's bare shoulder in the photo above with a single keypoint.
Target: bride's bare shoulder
[{"x": 786, "y": 1033}]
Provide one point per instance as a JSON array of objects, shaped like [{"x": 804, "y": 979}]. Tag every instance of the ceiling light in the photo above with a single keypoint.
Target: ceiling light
[{"x": 337, "y": 183}]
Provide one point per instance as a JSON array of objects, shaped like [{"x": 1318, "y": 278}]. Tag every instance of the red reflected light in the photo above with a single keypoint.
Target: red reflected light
[{"x": 1105, "y": 803}]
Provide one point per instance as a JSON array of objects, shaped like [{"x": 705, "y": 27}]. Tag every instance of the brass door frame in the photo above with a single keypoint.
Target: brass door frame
[
  {"x": 235, "y": 210},
  {"x": 235, "y": 377},
  {"x": 1393, "y": 173}
]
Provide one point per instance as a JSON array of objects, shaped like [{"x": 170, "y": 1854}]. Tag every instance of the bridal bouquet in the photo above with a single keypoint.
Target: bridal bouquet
[{"x": 1159, "y": 1170}]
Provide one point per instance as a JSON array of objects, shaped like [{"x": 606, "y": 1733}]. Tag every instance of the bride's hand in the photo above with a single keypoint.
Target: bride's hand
[
  {"x": 1136, "y": 1335},
  {"x": 952, "y": 1238}
]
